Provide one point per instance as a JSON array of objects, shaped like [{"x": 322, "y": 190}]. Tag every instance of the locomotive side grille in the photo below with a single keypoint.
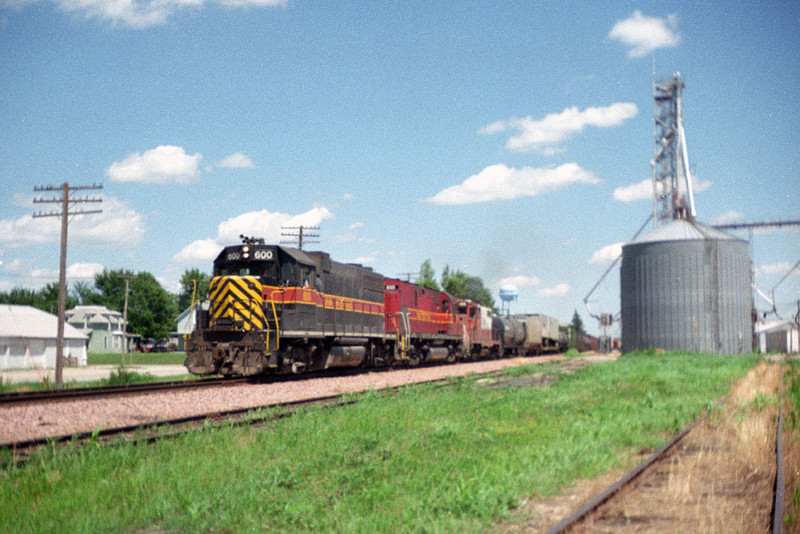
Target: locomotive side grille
[{"x": 237, "y": 299}]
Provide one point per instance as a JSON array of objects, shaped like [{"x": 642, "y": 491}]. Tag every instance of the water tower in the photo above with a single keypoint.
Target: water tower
[{"x": 508, "y": 293}]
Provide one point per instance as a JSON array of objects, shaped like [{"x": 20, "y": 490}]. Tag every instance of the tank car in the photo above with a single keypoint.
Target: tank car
[
  {"x": 525, "y": 335},
  {"x": 278, "y": 309}
]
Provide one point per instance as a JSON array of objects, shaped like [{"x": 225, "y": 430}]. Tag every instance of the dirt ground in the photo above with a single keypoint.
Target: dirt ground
[{"x": 720, "y": 479}]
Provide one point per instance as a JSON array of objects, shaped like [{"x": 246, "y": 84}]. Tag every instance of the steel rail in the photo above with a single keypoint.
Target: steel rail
[
  {"x": 98, "y": 391},
  {"x": 580, "y": 514},
  {"x": 777, "y": 510},
  {"x": 26, "y": 446}
]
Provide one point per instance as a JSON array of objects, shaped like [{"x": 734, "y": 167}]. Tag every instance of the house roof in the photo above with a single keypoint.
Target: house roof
[
  {"x": 79, "y": 314},
  {"x": 29, "y": 322}
]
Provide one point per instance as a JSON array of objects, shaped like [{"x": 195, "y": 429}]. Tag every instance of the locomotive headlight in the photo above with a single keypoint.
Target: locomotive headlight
[{"x": 245, "y": 252}]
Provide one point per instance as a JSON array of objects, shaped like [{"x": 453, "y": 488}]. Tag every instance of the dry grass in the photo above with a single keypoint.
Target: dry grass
[{"x": 719, "y": 479}]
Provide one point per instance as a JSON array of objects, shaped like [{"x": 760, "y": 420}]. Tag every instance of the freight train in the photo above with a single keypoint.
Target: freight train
[{"x": 277, "y": 310}]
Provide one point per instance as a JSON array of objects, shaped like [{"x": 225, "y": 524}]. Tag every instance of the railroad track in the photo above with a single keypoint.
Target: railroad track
[
  {"x": 150, "y": 431},
  {"x": 17, "y": 397},
  {"x": 601, "y": 515}
]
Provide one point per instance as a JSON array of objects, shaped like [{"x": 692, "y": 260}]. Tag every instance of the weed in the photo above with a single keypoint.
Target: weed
[{"x": 122, "y": 376}]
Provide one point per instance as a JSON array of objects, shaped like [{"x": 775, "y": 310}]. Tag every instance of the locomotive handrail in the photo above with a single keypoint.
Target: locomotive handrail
[{"x": 275, "y": 315}]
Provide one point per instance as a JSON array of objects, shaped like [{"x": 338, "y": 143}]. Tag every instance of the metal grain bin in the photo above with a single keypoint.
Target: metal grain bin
[{"x": 686, "y": 286}]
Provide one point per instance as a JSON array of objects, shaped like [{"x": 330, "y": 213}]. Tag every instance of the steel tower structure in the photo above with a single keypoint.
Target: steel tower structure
[{"x": 672, "y": 180}]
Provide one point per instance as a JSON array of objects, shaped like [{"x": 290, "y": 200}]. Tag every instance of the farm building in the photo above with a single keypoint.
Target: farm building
[
  {"x": 185, "y": 325},
  {"x": 101, "y": 325},
  {"x": 778, "y": 336},
  {"x": 28, "y": 339}
]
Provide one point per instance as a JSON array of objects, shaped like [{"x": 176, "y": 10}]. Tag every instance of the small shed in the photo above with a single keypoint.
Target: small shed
[
  {"x": 778, "y": 336},
  {"x": 185, "y": 326},
  {"x": 28, "y": 339}
]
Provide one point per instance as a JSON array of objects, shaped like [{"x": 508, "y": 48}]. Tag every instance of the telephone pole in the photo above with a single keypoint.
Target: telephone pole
[
  {"x": 127, "y": 279},
  {"x": 301, "y": 235},
  {"x": 65, "y": 213}
]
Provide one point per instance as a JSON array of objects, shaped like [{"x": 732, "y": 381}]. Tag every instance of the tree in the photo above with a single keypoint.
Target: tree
[
  {"x": 188, "y": 287},
  {"x": 45, "y": 299},
  {"x": 576, "y": 328},
  {"x": 85, "y": 293},
  {"x": 464, "y": 286},
  {"x": 427, "y": 276},
  {"x": 151, "y": 309}
]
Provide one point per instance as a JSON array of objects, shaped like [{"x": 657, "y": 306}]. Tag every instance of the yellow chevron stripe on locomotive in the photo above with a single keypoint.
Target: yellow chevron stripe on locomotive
[{"x": 237, "y": 298}]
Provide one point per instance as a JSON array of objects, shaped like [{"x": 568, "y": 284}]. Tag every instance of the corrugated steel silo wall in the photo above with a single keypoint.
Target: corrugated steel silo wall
[{"x": 687, "y": 295}]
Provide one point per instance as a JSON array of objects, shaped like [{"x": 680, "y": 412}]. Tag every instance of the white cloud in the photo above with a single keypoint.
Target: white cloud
[
  {"x": 644, "y": 190},
  {"x": 364, "y": 260},
  {"x": 202, "y": 250},
  {"x": 253, "y": 224},
  {"x": 777, "y": 268},
  {"x": 25, "y": 275},
  {"x": 117, "y": 226},
  {"x": 140, "y": 14},
  {"x": 643, "y": 34},
  {"x": 160, "y": 165},
  {"x": 357, "y": 224},
  {"x": 728, "y": 217},
  {"x": 521, "y": 281},
  {"x": 561, "y": 290},
  {"x": 546, "y": 134},
  {"x": 639, "y": 191},
  {"x": 83, "y": 271},
  {"x": 236, "y": 160},
  {"x": 502, "y": 182},
  {"x": 607, "y": 254}
]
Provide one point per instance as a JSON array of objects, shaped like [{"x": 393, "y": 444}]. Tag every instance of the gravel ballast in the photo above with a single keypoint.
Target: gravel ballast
[{"x": 50, "y": 419}]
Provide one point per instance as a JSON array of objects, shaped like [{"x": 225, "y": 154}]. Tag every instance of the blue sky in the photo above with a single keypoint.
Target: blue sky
[{"x": 511, "y": 140}]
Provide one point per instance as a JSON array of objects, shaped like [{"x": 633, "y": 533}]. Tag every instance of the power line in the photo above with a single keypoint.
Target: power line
[{"x": 65, "y": 213}]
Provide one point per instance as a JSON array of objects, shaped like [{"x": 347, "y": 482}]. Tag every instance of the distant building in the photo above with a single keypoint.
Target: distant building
[
  {"x": 101, "y": 325},
  {"x": 185, "y": 326},
  {"x": 28, "y": 339},
  {"x": 778, "y": 336}
]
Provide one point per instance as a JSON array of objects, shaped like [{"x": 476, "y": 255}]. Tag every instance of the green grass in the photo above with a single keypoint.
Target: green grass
[
  {"x": 427, "y": 459},
  {"x": 791, "y": 425}
]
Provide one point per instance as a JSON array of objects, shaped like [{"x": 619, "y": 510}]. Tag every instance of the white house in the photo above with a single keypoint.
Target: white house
[
  {"x": 28, "y": 338},
  {"x": 103, "y": 326}
]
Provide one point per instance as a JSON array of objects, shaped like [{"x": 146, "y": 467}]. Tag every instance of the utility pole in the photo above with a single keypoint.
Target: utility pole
[
  {"x": 65, "y": 212},
  {"x": 127, "y": 279},
  {"x": 300, "y": 234}
]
